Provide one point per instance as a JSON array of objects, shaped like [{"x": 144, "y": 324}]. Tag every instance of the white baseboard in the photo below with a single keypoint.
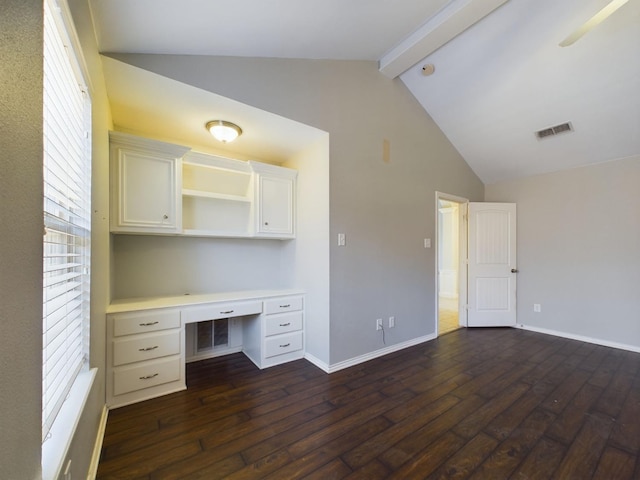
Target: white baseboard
[
  {"x": 317, "y": 362},
  {"x": 367, "y": 356},
  {"x": 97, "y": 448},
  {"x": 597, "y": 341}
]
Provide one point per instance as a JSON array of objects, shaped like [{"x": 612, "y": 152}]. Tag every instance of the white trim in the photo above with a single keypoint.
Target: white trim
[
  {"x": 97, "y": 448},
  {"x": 463, "y": 245},
  {"x": 56, "y": 446},
  {"x": 66, "y": 19},
  {"x": 367, "y": 356},
  {"x": 317, "y": 362},
  {"x": 581, "y": 338},
  {"x": 449, "y": 22}
]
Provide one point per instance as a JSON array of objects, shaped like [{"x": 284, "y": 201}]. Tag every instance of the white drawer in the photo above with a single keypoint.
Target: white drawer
[
  {"x": 284, "y": 304},
  {"x": 149, "y": 374},
  {"x": 147, "y": 321},
  {"x": 145, "y": 347},
  {"x": 288, "y": 322},
  {"x": 289, "y": 342},
  {"x": 221, "y": 310}
]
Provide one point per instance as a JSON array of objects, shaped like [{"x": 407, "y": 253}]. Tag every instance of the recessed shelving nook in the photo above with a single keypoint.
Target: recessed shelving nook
[
  {"x": 160, "y": 188},
  {"x": 217, "y": 196}
]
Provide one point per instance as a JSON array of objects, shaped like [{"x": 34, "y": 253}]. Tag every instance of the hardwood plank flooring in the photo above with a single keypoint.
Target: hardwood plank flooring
[{"x": 473, "y": 404}]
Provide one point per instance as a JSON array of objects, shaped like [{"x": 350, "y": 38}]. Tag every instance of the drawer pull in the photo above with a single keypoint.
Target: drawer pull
[
  {"x": 285, "y": 306},
  {"x": 147, "y": 377},
  {"x": 285, "y": 324},
  {"x": 228, "y": 311},
  {"x": 147, "y": 349},
  {"x": 285, "y": 345},
  {"x": 148, "y": 324}
]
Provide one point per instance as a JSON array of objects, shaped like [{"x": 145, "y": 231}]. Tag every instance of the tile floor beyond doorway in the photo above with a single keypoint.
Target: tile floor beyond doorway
[{"x": 447, "y": 315}]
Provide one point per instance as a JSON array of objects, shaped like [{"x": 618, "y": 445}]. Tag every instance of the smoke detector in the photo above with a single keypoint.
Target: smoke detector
[{"x": 428, "y": 69}]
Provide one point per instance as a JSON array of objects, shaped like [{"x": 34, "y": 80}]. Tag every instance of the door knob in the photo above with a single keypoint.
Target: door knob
[{"x": 514, "y": 270}]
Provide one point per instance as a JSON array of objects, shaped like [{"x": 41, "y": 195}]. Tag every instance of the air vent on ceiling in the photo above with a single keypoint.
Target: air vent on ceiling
[{"x": 551, "y": 131}]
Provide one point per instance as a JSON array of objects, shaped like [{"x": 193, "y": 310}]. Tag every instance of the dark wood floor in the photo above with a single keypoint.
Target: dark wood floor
[{"x": 475, "y": 403}]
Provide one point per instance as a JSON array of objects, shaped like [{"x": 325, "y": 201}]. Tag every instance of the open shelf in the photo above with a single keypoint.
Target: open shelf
[{"x": 216, "y": 196}]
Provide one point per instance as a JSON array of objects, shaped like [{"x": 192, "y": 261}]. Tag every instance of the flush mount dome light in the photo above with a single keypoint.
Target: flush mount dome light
[{"x": 224, "y": 131}]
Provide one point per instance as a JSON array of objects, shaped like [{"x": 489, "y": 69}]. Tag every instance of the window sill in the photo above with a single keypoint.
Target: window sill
[{"x": 56, "y": 446}]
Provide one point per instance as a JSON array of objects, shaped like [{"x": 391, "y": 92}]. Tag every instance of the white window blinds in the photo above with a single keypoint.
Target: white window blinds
[{"x": 67, "y": 218}]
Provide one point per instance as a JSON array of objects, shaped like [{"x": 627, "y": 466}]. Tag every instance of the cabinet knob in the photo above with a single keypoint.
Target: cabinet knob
[
  {"x": 165, "y": 216},
  {"x": 266, "y": 223}
]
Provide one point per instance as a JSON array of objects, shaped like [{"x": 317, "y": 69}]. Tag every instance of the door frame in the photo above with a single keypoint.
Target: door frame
[{"x": 462, "y": 252}]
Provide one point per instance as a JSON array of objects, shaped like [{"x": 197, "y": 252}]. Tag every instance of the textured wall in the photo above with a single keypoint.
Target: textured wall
[{"x": 21, "y": 239}]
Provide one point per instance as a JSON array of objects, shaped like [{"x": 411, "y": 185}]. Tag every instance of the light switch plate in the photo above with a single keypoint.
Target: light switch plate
[
  {"x": 427, "y": 243},
  {"x": 342, "y": 239}
]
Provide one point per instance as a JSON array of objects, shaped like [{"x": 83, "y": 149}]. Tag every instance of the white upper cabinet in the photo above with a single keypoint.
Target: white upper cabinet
[
  {"x": 160, "y": 188},
  {"x": 275, "y": 193},
  {"x": 145, "y": 175}
]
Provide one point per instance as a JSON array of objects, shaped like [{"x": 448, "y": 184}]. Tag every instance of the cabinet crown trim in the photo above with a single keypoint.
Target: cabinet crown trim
[
  {"x": 260, "y": 167},
  {"x": 147, "y": 144},
  {"x": 216, "y": 161}
]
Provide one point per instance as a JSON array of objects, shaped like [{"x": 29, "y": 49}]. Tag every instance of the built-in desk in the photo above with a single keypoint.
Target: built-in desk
[{"x": 146, "y": 337}]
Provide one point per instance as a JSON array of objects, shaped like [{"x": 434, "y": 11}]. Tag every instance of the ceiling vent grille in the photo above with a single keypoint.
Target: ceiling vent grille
[{"x": 556, "y": 130}]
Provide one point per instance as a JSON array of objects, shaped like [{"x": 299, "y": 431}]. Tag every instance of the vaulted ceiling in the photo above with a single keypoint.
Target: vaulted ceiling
[{"x": 499, "y": 72}]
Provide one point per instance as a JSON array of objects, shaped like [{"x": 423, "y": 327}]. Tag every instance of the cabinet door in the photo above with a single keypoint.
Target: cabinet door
[
  {"x": 276, "y": 206},
  {"x": 146, "y": 194}
]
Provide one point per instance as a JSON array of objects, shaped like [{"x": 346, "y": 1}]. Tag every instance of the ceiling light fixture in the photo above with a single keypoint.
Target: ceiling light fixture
[
  {"x": 599, "y": 17},
  {"x": 223, "y": 131}
]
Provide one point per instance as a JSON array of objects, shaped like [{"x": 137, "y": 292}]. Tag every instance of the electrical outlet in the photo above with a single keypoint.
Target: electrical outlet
[
  {"x": 392, "y": 322},
  {"x": 379, "y": 324},
  {"x": 537, "y": 308}
]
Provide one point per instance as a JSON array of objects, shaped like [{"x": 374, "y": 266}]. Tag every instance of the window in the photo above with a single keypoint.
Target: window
[{"x": 67, "y": 217}]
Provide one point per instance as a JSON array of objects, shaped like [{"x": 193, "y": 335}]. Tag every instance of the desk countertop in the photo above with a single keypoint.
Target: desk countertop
[{"x": 148, "y": 303}]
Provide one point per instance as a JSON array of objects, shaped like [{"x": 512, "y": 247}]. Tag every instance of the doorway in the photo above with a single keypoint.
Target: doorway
[{"x": 451, "y": 270}]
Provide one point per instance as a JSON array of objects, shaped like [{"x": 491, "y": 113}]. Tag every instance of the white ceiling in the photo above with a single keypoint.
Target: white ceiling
[
  {"x": 336, "y": 29},
  {"x": 494, "y": 85}
]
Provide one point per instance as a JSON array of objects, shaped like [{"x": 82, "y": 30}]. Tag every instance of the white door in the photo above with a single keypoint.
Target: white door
[{"x": 492, "y": 265}]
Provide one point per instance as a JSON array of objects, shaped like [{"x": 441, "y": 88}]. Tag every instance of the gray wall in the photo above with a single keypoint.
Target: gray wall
[
  {"x": 21, "y": 245},
  {"x": 147, "y": 266},
  {"x": 579, "y": 250},
  {"x": 21, "y": 240},
  {"x": 309, "y": 253},
  {"x": 385, "y": 209}
]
